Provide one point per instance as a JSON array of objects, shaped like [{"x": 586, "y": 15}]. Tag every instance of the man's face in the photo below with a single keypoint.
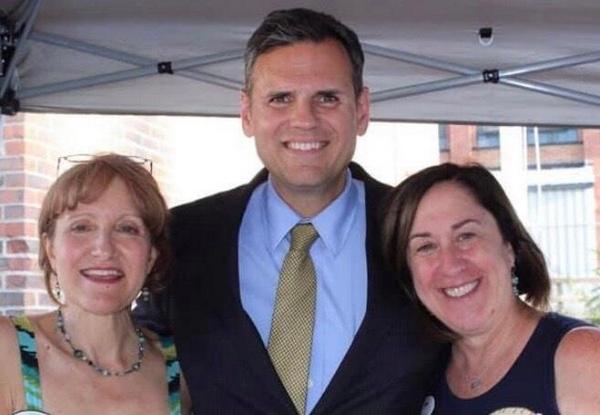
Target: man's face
[{"x": 304, "y": 115}]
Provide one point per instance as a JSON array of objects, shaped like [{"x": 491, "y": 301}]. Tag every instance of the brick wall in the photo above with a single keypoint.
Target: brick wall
[
  {"x": 29, "y": 147},
  {"x": 461, "y": 142}
]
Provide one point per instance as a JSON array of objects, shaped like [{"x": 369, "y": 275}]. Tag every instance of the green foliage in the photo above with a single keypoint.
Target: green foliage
[{"x": 593, "y": 304}]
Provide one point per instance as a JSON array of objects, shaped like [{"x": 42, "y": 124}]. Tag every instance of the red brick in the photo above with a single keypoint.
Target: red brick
[
  {"x": 17, "y": 246},
  {"x": 22, "y": 246},
  {"x": 14, "y": 180},
  {"x": 14, "y": 147},
  {"x": 13, "y": 163},
  {"x": 14, "y": 130},
  {"x": 19, "y": 281},
  {"x": 16, "y": 229},
  {"x": 15, "y": 281},
  {"x": 13, "y": 211},
  {"x": 22, "y": 264},
  {"x": 21, "y": 212},
  {"x": 10, "y": 229},
  {"x": 11, "y": 299},
  {"x": 11, "y": 196}
]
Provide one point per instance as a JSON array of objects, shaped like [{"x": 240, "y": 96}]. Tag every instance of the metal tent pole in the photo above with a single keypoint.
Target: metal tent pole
[
  {"x": 142, "y": 71},
  {"x": 137, "y": 60}
]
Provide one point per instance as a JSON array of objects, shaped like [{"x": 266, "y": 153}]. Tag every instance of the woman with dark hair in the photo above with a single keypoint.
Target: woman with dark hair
[
  {"x": 481, "y": 283},
  {"x": 103, "y": 240}
]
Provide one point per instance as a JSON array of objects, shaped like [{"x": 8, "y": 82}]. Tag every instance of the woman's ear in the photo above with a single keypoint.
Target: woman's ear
[
  {"x": 151, "y": 259},
  {"x": 49, "y": 250}
]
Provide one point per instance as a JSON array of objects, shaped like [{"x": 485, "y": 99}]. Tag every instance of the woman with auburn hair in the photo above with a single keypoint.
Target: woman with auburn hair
[
  {"x": 103, "y": 240},
  {"x": 481, "y": 282}
]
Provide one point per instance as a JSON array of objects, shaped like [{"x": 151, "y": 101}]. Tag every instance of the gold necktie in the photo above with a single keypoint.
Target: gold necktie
[{"x": 290, "y": 341}]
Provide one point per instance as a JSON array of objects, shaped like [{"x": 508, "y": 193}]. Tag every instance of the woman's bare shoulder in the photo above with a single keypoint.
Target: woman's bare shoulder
[
  {"x": 8, "y": 339},
  {"x": 577, "y": 364},
  {"x": 10, "y": 375},
  {"x": 6, "y": 327},
  {"x": 580, "y": 344}
]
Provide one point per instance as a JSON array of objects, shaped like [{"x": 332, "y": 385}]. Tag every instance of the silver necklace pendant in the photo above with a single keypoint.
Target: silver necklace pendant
[{"x": 475, "y": 383}]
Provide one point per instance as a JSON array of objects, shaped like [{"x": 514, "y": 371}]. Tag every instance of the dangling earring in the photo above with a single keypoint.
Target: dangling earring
[
  {"x": 145, "y": 294},
  {"x": 57, "y": 291},
  {"x": 514, "y": 279}
]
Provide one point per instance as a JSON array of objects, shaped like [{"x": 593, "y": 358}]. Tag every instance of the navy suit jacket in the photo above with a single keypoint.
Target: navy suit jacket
[{"x": 224, "y": 360}]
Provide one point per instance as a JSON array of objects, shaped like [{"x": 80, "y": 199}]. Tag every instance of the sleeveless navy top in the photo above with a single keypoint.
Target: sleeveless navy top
[{"x": 528, "y": 384}]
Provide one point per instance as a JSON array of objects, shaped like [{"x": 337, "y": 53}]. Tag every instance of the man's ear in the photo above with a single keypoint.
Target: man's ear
[
  {"x": 363, "y": 111},
  {"x": 246, "y": 114}
]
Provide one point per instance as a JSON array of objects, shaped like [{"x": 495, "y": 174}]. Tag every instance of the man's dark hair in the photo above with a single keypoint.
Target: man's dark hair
[{"x": 286, "y": 27}]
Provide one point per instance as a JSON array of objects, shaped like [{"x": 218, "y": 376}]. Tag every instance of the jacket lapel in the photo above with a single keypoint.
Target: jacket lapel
[
  {"x": 383, "y": 301},
  {"x": 245, "y": 339}
]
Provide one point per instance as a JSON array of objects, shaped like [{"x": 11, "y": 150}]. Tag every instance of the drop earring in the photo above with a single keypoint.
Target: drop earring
[
  {"x": 145, "y": 294},
  {"x": 514, "y": 279},
  {"x": 57, "y": 291}
]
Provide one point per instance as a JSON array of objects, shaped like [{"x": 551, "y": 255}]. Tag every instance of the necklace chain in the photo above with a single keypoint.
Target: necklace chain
[{"x": 80, "y": 354}]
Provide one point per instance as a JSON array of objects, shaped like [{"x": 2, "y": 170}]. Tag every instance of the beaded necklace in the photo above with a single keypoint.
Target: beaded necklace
[{"x": 80, "y": 354}]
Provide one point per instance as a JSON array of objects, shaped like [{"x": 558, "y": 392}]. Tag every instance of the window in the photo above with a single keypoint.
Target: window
[
  {"x": 548, "y": 135},
  {"x": 563, "y": 225},
  {"x": 488, "y": 136}
]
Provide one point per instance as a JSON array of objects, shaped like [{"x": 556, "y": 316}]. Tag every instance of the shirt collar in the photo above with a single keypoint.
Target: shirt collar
[{"x": 333, "y": 223}]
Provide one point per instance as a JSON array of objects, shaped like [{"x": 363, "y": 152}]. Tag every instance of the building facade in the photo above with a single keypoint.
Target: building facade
[
  {"x": 557, "y": 172},
  {"x": 551, "y": 176}
]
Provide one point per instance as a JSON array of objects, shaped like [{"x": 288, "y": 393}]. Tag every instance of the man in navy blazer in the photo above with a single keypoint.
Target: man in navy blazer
[{"x": 304, "y": 103}]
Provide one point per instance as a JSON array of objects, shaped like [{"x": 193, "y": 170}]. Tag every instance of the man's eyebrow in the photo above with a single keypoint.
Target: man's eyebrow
[
  {"x": 331, "y": 91},
  {"x": 276, "y": 93}
]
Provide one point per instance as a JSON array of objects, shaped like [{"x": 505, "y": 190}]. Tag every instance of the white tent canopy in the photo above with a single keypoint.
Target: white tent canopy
[{"x": 425, "y": 61}]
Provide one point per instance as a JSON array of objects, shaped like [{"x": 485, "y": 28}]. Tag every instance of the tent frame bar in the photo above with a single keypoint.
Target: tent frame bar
[
  {"x": 146, "y": 67},
  {"x": 470, "y": 76},
  {"x": 137, "y": 60}
]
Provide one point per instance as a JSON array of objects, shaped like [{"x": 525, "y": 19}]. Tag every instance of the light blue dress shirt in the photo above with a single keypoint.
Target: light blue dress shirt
[{"x": 341, "y": 269}]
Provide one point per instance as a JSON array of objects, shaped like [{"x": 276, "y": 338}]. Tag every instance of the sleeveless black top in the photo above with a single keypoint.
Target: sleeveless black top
[{"x": 529, "y": 383}]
